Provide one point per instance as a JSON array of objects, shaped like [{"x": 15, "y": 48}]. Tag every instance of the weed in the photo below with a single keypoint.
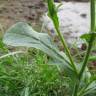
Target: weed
[
  {"x": 27, "y": 74},
  {"x": 82, "y": 82}
]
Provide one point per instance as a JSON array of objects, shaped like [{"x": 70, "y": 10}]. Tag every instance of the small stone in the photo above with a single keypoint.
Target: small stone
[{"x": 83, "y": 15}]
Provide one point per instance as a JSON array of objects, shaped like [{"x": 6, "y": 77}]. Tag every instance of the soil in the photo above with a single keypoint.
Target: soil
[
  {"x": 30, "y": 11},
  {"x": 12, "y": 11}
]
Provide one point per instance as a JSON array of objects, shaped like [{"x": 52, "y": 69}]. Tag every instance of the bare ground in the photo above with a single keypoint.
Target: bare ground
[{"x": 12, "y": 11}]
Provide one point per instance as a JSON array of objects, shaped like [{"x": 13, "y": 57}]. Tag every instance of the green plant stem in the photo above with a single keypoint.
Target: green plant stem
[
  {"x": 66, "y": 48},
  {"x": 53, "y": 15},
  {"x": 87, "y": 56},
  {"x": 84, "y": 65},
  {"x": 91, "y": 39},
  {"x": 92, "y": 7},
  {"x": 75, "y": 88}
]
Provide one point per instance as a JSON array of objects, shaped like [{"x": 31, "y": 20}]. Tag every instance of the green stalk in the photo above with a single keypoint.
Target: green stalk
[
  {"x": 75, "y": 88},
  {"x": 84, "y": 65},
  {"x": 90, "y": 44},
  {"x": 66, "y": 48},
  {"x": 87, "y": 56},
  {"x": 53, "y": 15}
]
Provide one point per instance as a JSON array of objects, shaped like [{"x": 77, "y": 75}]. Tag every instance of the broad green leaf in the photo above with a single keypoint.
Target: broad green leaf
[
  {"x": 88, "y": 36},
  {"x": 21, "y": 34},
  {"x": 60, "y": 65},
  {"x": 66, "y": 70}
]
